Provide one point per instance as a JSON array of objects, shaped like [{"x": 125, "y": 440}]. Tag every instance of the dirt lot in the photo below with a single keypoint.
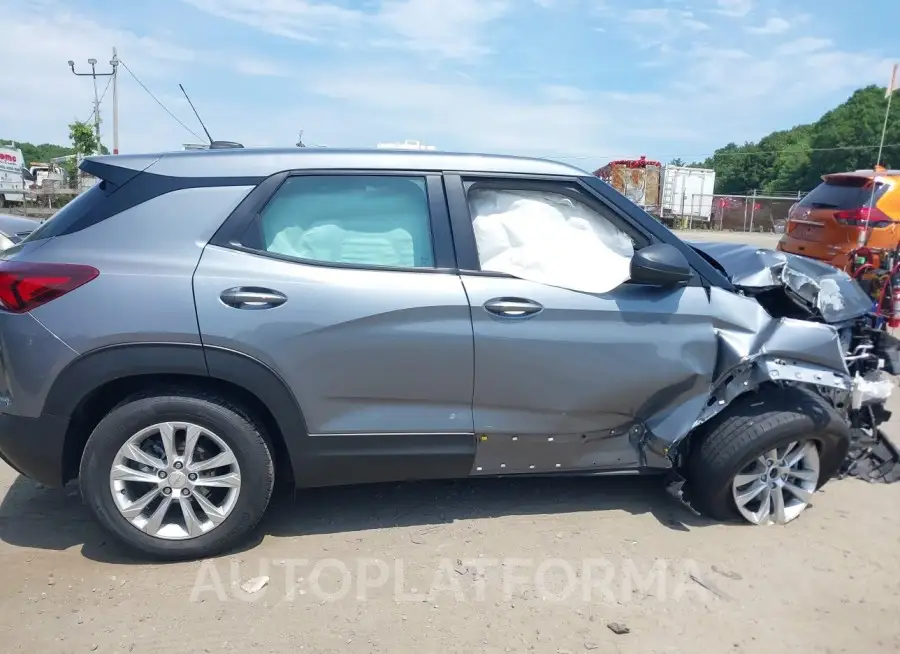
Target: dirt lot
[{"x": 486, "y": 566}]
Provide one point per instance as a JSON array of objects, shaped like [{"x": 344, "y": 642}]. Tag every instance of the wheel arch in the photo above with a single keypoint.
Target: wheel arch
[
  {"x": 788, "y": 397},
  {"x": 98, "y": 380}
]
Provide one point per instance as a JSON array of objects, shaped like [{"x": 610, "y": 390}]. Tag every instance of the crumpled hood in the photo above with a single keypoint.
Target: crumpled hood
[{"x": 830, "y": 292}]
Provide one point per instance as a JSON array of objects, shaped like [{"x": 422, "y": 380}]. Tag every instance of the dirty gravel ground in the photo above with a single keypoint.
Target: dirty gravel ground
[{"x": 587, "y": 553}]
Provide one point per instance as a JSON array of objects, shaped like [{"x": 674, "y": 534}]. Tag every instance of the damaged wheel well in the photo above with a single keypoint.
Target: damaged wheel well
[{"x": 772, "y": 398}]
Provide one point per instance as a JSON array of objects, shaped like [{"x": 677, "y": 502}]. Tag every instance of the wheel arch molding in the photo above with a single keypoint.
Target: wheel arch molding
[{"x": 88, "y": 376}]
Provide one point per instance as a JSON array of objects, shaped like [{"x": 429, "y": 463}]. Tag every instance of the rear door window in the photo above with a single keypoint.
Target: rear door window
[
  {"x": 357, "y": 220},
  {"x": 843, "y": 194}
]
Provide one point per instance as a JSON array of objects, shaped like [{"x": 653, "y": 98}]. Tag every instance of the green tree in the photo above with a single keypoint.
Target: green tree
[
  {"x": 786, "y": 161},
  {"x": 677, "y": 161},
  {"x": 84, "y": 142},
  {"x": 43, "y": 152},
  {"x": 83, "y": 139},
  {"x": 857, "y": 122}
]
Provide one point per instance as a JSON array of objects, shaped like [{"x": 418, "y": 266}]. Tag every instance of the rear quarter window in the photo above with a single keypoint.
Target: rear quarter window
[{"x": 72, "y": 213}]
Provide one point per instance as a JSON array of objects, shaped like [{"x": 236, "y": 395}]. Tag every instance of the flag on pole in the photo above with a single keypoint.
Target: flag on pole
[{"x": 893, "y": 85}]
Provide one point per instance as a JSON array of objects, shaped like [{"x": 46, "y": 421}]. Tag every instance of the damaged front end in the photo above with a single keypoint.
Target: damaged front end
[{"x": 802, "y": 322}]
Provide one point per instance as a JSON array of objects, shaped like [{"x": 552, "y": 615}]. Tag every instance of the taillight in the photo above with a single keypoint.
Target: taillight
[
  {"x": 790, "y": 214},
  {"x": 857, "y": 217},
  {"x": 26, "y": 286}
]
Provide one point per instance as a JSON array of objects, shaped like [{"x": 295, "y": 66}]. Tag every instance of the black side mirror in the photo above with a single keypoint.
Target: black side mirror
[{"x": 660, "y": 264}]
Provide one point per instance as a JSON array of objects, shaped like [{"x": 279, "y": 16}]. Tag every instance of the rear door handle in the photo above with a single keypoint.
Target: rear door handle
[
  {"x": 252, "y": 297},
  {"x": 513, "y": 307}
]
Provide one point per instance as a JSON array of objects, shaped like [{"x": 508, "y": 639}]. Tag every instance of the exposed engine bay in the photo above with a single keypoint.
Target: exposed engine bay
[{"x": 793, "y": 288}]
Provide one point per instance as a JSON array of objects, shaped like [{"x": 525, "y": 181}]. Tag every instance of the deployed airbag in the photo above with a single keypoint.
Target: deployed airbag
[{"x": 550, "y": 239}]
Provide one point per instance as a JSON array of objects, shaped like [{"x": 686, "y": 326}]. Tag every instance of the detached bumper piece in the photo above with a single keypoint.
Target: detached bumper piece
[{"x": 872, "y": 457}]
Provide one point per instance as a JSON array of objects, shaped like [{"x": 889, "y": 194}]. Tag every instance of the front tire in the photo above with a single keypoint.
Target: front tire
[
  {"x": 177, "y": 476},
  {"x": 764, "y": 457}
]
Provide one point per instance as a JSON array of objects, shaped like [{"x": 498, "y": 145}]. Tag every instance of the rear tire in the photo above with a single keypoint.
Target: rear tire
[
  {"x": 244, "y": 479},
  {"x": 756, "y": 424}
]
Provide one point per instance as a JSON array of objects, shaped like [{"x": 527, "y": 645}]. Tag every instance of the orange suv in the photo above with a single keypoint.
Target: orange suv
[{"x": 825, "y": 224}]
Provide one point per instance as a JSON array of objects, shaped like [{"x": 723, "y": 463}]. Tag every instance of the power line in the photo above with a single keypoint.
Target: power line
[
  {"x": 735, "y": 154},
  {"x": 108, "y": 82},
  {"x": 159, "y": 102}
]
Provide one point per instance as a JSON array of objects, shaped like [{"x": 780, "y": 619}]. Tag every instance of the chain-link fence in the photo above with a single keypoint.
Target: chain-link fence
[
  {"x": 45, "y": 200},
  {"x": 39, "y": 203},
  {"x": 739, "y": 213}
]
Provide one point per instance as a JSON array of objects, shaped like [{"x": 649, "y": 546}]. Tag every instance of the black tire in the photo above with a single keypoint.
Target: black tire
[
  {"x": 753, "y": 424},
  {"x": 245, "y": 438}
]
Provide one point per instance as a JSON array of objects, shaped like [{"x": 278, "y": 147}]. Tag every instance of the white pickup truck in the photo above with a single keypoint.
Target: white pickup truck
[{"x": 12, "y": 180}]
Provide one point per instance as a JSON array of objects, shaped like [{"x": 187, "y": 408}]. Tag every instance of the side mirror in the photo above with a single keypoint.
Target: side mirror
[{"x": 660, "y": 264}]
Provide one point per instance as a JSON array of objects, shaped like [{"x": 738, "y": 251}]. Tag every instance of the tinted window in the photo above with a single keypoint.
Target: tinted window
[
  {"x": 850, "y": 193},
  {"x": 351, "y": 219},
  {"x": 70, "y": 214}
]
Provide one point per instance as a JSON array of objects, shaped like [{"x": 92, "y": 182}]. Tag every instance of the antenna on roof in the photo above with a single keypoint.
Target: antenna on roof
[{"x": 213, "y": 145}]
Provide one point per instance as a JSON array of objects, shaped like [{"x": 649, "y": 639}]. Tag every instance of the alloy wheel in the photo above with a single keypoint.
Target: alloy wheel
[
  {"x": 175, "y": 480},
  {"x": 777, "y": 486}
]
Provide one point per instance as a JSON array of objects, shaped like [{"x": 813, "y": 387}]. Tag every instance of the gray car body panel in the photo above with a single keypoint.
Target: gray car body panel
[
  {"x": 598, "y": 369},
  {"x": 831, "y": 292},
  {"x": 364, "y": 351},
  {"x": 11, "y": 225},
  {"x": 403, "y": 358},
  {"x": 144, "y": 292},
  {"x": 36, "y": 355}
]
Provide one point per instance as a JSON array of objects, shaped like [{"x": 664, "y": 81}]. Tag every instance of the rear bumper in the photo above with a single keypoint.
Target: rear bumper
[
  {"x": 827, "y": 252},
  {"x": 34, "y": 446}
]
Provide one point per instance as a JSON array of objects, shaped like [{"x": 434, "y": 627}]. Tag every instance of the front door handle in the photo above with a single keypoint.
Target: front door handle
[
  {"x": 513, "y": 307},
  {"x": 252, "y": 297}
]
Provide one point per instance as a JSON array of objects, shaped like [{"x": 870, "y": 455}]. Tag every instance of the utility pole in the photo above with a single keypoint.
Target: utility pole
[
  {"x": 863, "y": 236},
  {"x": 115, "y": 84},
  {"x": 94, "y": 74}
]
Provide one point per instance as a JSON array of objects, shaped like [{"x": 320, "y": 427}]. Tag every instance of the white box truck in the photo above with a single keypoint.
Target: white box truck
[
  {"x": 12, "y": 179},
  {"x": 687, "y": 192}
]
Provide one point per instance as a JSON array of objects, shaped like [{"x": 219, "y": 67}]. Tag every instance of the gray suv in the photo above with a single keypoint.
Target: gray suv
[{"x": 202, "y": 325}]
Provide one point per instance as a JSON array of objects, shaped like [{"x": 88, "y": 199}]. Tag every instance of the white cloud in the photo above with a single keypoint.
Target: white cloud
[
  {"x": 260, "y": 68},
  {"x": 774, "y": 25},
  {"x": 647, "y": 16},
  {"x": 707, "y": 88},
  {"x": 40, "y": 102},
  {"x": 294, "y": 19},
  {"x": 561, "y": 120},
  {"x": 735, "y": 8},
  {"x": 450, "y": 29},
  {"x": 804, "y": 45},
  {"x": 694, "y": 24},
  {"x": 662, "y": 17},
  {"x": 562, "y": 93}
]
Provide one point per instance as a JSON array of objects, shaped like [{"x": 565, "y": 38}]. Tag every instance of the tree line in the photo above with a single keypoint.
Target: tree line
[
  {"x": 84, "y": 143},
  {"x": 845, "y": 138}
]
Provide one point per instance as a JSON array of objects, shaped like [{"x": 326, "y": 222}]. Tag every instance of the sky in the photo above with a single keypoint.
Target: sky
[{"x": 581, "y": 81}]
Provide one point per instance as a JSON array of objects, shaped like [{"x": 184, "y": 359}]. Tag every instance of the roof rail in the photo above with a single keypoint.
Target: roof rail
[{"x": 224, "y": 145}]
